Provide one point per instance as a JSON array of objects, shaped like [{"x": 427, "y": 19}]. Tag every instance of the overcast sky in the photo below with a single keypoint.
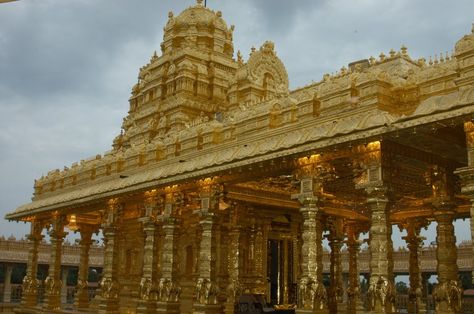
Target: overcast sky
[{"x": 66, "y": 67}]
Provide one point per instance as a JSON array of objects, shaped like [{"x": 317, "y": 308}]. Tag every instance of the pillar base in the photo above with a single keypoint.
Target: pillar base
[
  {"x": 207, "y": 309},
  {"x": 146, "y": 307},
  {"x": 444, "y": 308},
  {"x": 315, "y": 311},
  {"x": 167, "y": 307},
  {"x": 413, "y": 308},
  {"x": 341, "y": 308},
  {"x": 29, "y": 300},
  {"x": 229, "y": 307},
  {"x": 108, "y": 306}
]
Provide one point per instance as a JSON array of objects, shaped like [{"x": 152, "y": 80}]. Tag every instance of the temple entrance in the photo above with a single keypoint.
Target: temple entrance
[
  {"x": 274, "y": 273},
  {"x": 280, "y": 271},
  {"x": 281, "y": 288}
]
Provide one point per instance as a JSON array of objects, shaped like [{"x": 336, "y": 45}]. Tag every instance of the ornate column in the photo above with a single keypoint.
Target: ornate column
[
  {"x": 381, "y": 293},
  {"x": 146, "y": 303},
  {"x": 447, "y": 293},
  {"x": 233, "y": 262},
  {"x": 168, "y": 289},
  {"x": 7, "y": 287},
  {"x": 355, "y": 305},
  {"x": 109, "y": 285},
  {"x": 414, "y": 242},
  {"x": 312, "y": 296},
  {"x": 81, "y": 298},
  {"x": 467, "y": 176},
  {"x": 207, "y": 291},
  {"x": 336, "y": 238},
  {"x": 30, "y": 282},
  {"x": 53, "y": 282}
]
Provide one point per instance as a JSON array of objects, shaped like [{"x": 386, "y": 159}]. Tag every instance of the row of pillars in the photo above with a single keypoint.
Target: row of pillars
[
  {"x": 55, "y": 282},
  {"x": 313, "y": 297}
]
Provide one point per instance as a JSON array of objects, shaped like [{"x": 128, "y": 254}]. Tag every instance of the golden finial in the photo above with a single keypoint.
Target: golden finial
[
  {"x": 472, "y": 29},
  {"x": 436, "y": 59},
  {"x": 199, "y": 2},
  {"x": 382, "y": 56},
  {"x": 372, "y": 60},
  {"x": 170, "y": 14},
  {"x": 392, "y": 53},
  {"x": 441, "y": 58},
  {"x": 404, "y": 50},
  {"x": 431, "y": 61}
]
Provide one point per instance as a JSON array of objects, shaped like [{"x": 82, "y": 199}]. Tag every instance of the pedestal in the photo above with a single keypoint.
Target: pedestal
[
  {"x": 207, "y": 309},
  {"x": 167, "y": 307}
]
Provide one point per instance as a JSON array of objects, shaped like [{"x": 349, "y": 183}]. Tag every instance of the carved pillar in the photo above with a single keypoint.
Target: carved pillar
[
  {"x": 207, "y": 290},
  {"x": 467, "y": 176},
  {"x": 7, "y": 287},
  {"x": 53, "y": 282},
  {"x": 447, "y": 293},
  {"x": 146, "y": 303},
  {"x": 414, "y": 242},
  {"x": 30, "y": 282},
  {"x": 81, "y": 298},
  {"x": 336, "y": 236},
  {"x": 355, "y": 305},
  {"x": 109, "y": 285},
  {"x": 312, "y": 296},
  {"x": 233, "y": 263},
  {"x": 168, "y": 289},
  {"x": 381, "y": 293}
]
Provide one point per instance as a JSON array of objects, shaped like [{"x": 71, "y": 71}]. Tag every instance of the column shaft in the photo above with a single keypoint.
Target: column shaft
[
  {"x": 109, "y": 286},
  {"x": 168, "y": 289},
  {"x": 414, "y": 241},
  {"x": 81, "y": 298},
  {"x": 207, "y": 290},
  {"x": 7, "y": 287},
  {"x": 353, "y": 244},
  {"x": 312, "y": 296},
  {"x": 381, "y": 291},
  {"x": 448, "y": 292},
  {"x": 53, "y": 283},
  {"x": 30, "y": 282},
  {"x": 233, "y": 288}
]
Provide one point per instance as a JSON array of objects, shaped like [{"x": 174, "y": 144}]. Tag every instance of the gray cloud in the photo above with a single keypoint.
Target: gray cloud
[{"x": 66, "y": 67}]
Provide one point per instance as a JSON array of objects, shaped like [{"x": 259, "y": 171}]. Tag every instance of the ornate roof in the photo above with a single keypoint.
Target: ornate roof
[{"x": 197, "y": 110}]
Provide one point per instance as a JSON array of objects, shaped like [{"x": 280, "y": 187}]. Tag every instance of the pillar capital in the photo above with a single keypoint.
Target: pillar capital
[{"x": 112, "y": 214}]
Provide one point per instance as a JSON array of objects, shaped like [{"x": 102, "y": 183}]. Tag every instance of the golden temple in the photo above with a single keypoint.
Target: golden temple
[{"x": 223, "y": 181}]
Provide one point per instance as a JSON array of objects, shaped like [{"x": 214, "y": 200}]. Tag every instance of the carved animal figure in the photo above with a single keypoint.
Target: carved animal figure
[
  {"x": 449, "y": 292},
  {"x": 380, "y": 289},
  {"x": 145, "y": 288}
]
